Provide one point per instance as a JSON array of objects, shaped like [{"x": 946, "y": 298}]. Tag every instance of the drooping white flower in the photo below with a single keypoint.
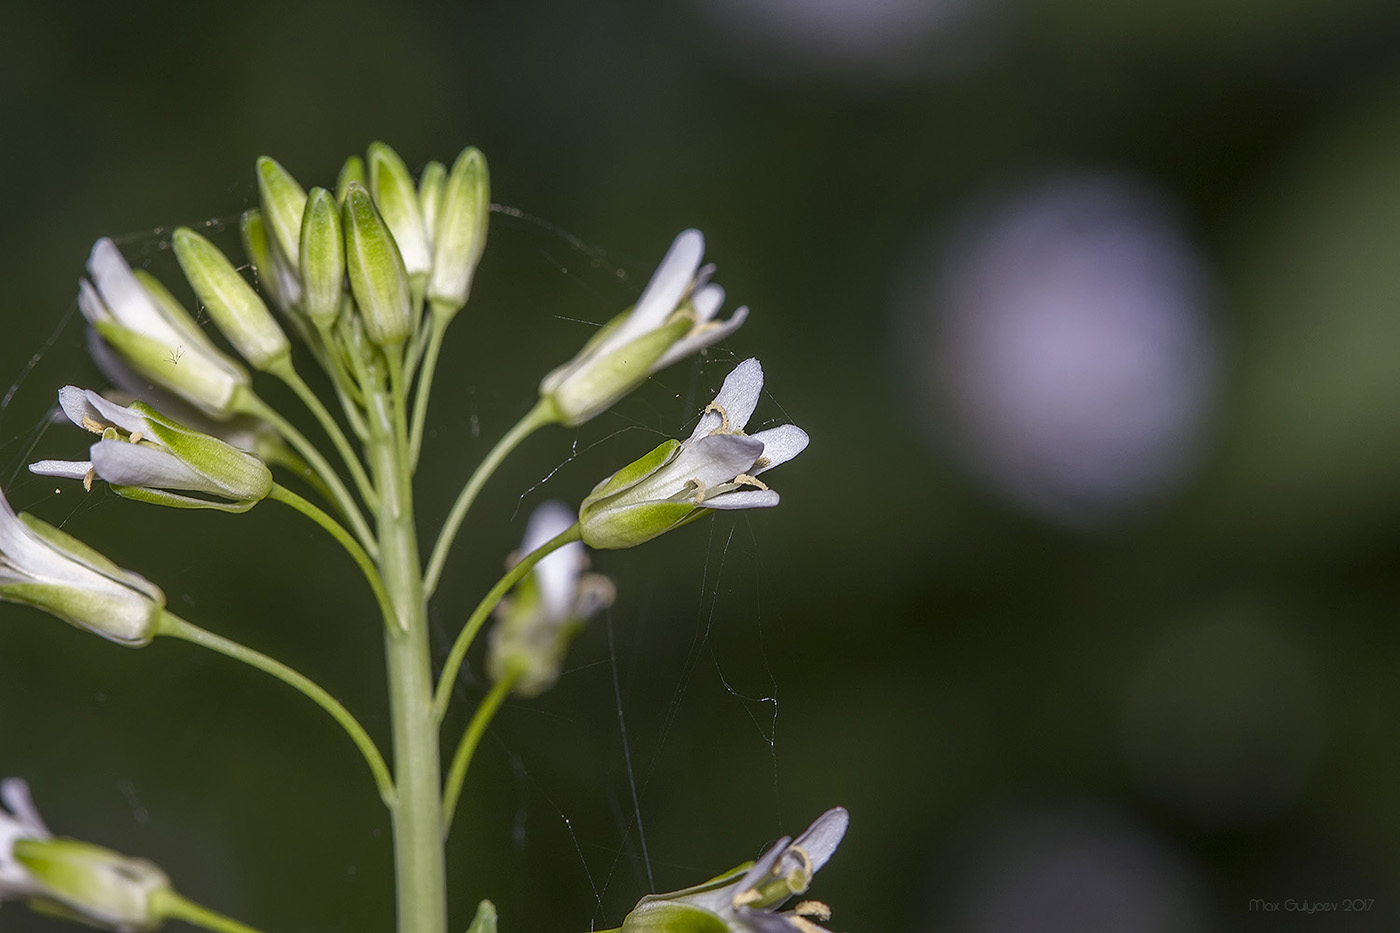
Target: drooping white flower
[
  {"x": 46, "y": 568},
  {"x": 746, "y": 899},
  {"x": 155, "y": 335},
  {"x": 71, "y": 879},
  {"x": 144, "y": 455},
  {"x": 547, "y": 607},
  {"x": 716, "y": 468},
  {"x": 674, "y": 317}
]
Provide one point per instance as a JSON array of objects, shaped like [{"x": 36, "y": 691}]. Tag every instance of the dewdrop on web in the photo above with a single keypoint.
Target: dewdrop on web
[{"x": 360, "y": 280}]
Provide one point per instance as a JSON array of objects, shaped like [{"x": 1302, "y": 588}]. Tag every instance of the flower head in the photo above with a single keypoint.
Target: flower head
[
  {"x": 672, "y": 319},
  {"x": 547, "y": 608},
  {"x": 716, "y": 468},
  {"x": 43, "y": 567},
  {"x": 155, "y": 335},
  {"x": 144, "y": 455},
  {"x": 72, "y": 879},
  {"x": 746, "y": 899}
]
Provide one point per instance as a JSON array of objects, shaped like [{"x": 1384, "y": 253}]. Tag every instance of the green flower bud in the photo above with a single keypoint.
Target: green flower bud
[
  {"x": 94, "y": 885},
  {"x": 461, "y": 231},
  {"x": 274, "y": 275},
  {"x": 144, "y": 455},
  {"x": 237, "y": 310},
  {"x": 397, "y": 199},
  {"x": 485, "y": 919},
  {"x": 46, "y": 568},
  {"x": 378, "y": 279},
  {"x": 352, "y": 170},
  {"x": 283, "y": 201},
  {"x": 322, "y": 258},
  {"x": 431, "y": 185}
]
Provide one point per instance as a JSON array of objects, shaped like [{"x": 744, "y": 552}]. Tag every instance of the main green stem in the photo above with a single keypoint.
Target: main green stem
[{"x": 417, "y": 812}]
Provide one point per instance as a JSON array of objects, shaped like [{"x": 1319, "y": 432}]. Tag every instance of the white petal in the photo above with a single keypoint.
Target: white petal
[
  {"x": 824, "y": 835},
  {"x": 129, "y": 303},
  {"x": 743, "y": 499},
  {"x": 780, "y": 445},
  {"x": 80, "y": 403},
  {"x": 668, "y": 285},
  {"x": 557, "y": 574},
  {"x": 91, "y": 304},
  {"x": 744, "y": 380},
  {"x": 63, "y": 469},
  {"x": 713, "y": 460},
  {"x": 707, "y": 300},
  {"x": 124, "y": 464},
  {"x": 707, "y": 337},
  {"x": 14, "y": 793}
]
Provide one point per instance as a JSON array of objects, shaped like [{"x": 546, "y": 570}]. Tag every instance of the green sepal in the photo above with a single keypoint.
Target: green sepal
[
  {"x": 596, "y": 384},
  {"x": 667, "y": 917},
  {"x": 237, "y": 310},
  {"x": 634, "y": 472},
  {"x": 179, "y": 501},
  {"x": 283, "y": 201},
  {"x": 377, "y": 275},
  {"x": 630, "y": 525},
  {"x": 432, "y": 183},
  {"x": 270, "y": 270},
  {"x": 175, "y": 312},
  {"x": 199, "y": 385},
  {"x": 485, "y": 919},
  {"x": 322, "y": 258},
  {"x": 98, "y": 886}
]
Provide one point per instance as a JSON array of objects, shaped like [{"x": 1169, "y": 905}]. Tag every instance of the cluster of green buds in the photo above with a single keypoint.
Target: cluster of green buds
[{"x": 76, "y": 880}]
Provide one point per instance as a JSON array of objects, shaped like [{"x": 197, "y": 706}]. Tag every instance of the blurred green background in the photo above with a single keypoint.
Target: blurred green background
[{"x": 1082, "y": 600}]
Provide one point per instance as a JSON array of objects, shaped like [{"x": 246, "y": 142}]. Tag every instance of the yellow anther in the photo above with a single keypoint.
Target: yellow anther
[
  {"x": 136, "y": 438},
  {"x": 816, "y": 910},
  {"x": 699, "y": 488},
  {"x": 744, "y": 479},
  {"x": 724, "y": 426},
  {"x": 746, "y": 897},
  {"x": 88, "y": 477},
  {"x": 93, "y": 425}
]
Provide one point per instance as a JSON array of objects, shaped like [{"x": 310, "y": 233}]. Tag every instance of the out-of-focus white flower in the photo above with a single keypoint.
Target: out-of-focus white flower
[
  {"x": 155, "y": 335},
  {"x": 144, "y": 455},
  {"x": 46, "y": 568},
  {"x": 716, "y": 468},
  {"x": 746, "y": 899},
  {"x": 547, "y": 607},
  {"x": 74, "y": 880},
  {"x": 674, "y": 318}
]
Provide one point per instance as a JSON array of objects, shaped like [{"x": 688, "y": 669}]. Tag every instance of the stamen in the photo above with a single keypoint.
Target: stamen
[
  {"x": 724, "y": 426},
  {"x": 813, "y": 909},
  {"x": 744, "y": 479},
  {"x": 88, "y": 477},
  {"x": 699, "y": 489},
  {"x": 93, "y": 425},
  {"x": 136, "y": 438}
]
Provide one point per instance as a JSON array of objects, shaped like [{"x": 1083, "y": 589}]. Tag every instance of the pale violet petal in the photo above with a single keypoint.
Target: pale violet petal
[
  {"x": 14, "y": 793},
  {"x": 823, "y": 836},
  {"x": 91, "y": 304},
  {"x": 711, "y": 460},
  {"x": 780, "y": 445},
  {"x": 61, "y": 469},
  {"x": 743, "y": 499},
  {"x": 78, "y": 404},
  {"x": 763, "y": 866},
  {"x": 124, "y": 464},
  {"x": 710, "y": 335},
  {"x": 738, "y": 397},
  {"x": 557, "y": 574},
  {"x": 707, "y": 300},
  {"x": 668, "y": 285}
]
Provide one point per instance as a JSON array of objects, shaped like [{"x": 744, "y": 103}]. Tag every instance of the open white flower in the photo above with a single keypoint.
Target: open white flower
[
  {"x": 547, "y": 607},
  {"x": 716, "y": 468},
  {"x": 144, "y": 455},
  {"x": 746, "y": 899},
  {"x": 155, "y": 335},
  {"x": 46, "y": 568},
  {"x": 672, "y": 319}
]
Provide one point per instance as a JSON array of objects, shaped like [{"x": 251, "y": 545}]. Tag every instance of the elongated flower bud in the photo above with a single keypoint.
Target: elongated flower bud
[
  {"x": 237, "y": 310},
  {"x": 283, "y": 201},
  {"x": 461, "y": 231},
  {"x": 322, "y": 258},
  {"x": 397, "y": 199},
  {"x": 377, "y": 275}
]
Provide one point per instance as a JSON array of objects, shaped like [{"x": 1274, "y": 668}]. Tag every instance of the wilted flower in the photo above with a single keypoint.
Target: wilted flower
[
  {"x": 716, "y": 468},
  {"x": 672, "y": 319},
  {"x": 46, "y": 568},
  {"x": 746, "y": 900},
  {"x": 155, "y": 335},
  {"x": 547, "y": 607},
  {"x": 144, "y": 455},
  {"x": 71, "y": 879}
]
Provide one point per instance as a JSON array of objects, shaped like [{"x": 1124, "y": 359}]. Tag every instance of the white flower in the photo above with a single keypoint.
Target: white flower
[
  {"x": 547, "y": 608},
  {"x": 143, "y": 455},
  {"x": 672, "y": 319},
  {"x": 72, "y": 879},
  {"x": 43, "y": 567},
  {"x": 18, "y": 820},
  {"x": 155, "y": 335},
  {"x": 746, "y": 899},
  {"x": 716, "y": 468}
]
